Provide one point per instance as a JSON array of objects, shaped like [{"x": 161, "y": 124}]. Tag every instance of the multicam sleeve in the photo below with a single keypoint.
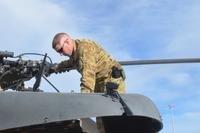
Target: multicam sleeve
[{"x": 87, "y": 68}]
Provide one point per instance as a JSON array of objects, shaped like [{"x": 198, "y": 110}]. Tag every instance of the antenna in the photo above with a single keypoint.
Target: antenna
[{"x": 171, "y": 108}]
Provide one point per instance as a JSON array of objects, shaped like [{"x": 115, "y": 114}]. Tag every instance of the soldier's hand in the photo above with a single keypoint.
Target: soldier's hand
[
  {"x": 55, "y": 69},
  {"x": 52, "y": 69}
]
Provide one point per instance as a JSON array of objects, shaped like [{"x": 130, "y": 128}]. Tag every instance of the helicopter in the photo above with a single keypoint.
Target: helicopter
[{"x": 33, "y": 110}]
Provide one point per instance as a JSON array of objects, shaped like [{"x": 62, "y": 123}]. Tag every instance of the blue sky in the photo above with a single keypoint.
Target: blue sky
[{"x": 129, "y": 30}]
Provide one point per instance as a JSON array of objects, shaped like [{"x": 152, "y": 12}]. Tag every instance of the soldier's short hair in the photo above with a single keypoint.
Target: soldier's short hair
[{"x": 57, "y": 37}]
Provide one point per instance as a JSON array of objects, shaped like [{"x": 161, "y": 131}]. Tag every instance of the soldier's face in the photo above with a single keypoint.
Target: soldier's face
[{"x": 64, "y": 46}]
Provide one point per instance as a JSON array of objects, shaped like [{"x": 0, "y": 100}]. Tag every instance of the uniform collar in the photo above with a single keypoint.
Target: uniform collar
[{"x": 74, "y": 53}]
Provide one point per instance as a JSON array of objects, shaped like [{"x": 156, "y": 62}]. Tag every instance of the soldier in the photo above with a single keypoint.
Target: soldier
[{"x": 95, "y": 65}]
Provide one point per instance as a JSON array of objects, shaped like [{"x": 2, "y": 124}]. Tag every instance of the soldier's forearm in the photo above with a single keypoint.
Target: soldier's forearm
[{"x": 84, "y": 90}]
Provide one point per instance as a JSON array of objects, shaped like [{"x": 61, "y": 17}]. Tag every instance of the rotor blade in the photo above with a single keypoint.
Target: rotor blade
[{"x": 160, "y": 61}]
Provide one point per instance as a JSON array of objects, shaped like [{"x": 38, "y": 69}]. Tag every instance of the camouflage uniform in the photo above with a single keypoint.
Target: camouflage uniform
[{"x": 95, "y": 66}]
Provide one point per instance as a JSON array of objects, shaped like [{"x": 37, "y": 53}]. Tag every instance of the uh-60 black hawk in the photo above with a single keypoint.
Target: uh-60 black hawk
[{"x": 31, "y": 110}]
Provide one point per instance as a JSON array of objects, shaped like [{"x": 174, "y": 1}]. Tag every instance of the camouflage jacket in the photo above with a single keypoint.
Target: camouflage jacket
[{"x": 91, "y": 61}]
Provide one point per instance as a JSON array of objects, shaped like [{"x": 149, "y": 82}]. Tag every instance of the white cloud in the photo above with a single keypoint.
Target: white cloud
[
  {"x": 188, "y": 122},
  {"x": 26, "y": 23},
  {"x": 186, "y": 39}
]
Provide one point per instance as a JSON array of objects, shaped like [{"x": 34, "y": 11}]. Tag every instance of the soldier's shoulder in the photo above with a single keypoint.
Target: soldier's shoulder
[
  {"x": 87, "y": 41},
  {"x": 85, "y": 46}
]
